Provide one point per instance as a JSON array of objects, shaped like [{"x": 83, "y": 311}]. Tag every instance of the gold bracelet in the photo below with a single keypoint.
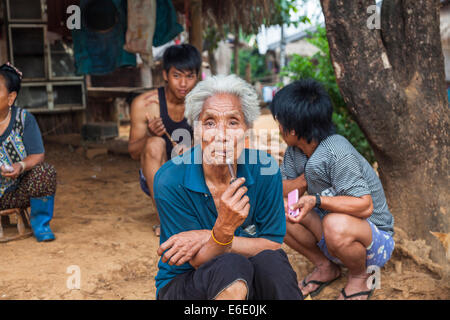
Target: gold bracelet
[{"x": 220, "y": 243}]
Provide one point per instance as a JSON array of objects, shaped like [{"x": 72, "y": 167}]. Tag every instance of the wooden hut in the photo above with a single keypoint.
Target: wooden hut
[{"x": 63, "y": 101}]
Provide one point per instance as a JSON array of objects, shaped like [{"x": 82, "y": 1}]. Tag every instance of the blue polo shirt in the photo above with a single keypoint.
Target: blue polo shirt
[{"x": 184, "y": 202}]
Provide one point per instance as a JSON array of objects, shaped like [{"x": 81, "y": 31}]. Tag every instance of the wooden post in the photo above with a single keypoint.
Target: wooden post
[
  {"x": 196, "y": 26},
  {"x": 236, "y": 49},
  {"x": 248, "y": 73}
]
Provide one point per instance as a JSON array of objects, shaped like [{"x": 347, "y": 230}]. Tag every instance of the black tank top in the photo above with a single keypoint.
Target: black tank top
[{"x": 171, "y": 125}]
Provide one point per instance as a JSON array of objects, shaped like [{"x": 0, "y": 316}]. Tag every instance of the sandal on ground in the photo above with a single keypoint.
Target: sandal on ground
[
  {"x": 362, "y": 293},
  {"x": 322, "y": 285},
  {"x": 155, "y": 227}
]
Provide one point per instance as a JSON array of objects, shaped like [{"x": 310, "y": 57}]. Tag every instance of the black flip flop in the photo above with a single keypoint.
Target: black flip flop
[
  {"x": 322, "y": 284},
  {"x": 362, "y": 293}
]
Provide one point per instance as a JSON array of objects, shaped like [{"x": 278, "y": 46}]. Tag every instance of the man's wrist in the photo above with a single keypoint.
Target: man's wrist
[
  {"x": 221, "y": 235},
  {"x": 318, "y": 202},
  {"x": 304, "y": 184},
  {"x": 301, "y": 182},
  {"x": 219, "y": 242}
]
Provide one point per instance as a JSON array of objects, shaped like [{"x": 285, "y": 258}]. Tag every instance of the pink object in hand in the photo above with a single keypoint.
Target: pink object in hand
[{"x": 292, "y": 200}]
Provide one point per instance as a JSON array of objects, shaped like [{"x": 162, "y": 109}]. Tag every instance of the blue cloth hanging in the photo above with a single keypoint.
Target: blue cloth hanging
[
  {"x": 167, "y": 26},
  {"x": 101, "y": 52}
]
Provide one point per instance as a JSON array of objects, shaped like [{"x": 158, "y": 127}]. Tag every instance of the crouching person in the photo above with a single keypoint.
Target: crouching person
[
  {"x": 221, "y": 239},
  {"x": 344, "y": 219},
  {"x": 25, "y": 181}
]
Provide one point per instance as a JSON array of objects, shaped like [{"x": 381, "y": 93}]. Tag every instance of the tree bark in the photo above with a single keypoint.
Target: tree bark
[{"x": 392, "y": 80}]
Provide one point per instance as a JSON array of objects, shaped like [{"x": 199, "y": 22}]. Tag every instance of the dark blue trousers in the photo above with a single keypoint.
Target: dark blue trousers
[{"x": 268, "y": 276}]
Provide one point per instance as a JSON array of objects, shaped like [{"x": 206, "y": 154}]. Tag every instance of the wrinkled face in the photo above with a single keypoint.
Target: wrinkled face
[
  {"x": 223, "y": 127},
  {"x": 180, "y": 82}
]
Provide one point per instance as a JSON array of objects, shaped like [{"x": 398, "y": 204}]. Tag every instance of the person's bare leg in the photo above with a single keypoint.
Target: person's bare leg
[
  {"x": 303, "y": 238},
  {"x": 152, "y": 158},
  {"x": 347, "y": 238},
  {"x": 237, "y": 291}
]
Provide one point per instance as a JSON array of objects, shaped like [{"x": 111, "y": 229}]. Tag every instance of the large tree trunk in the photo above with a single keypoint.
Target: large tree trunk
[{"x": 393, "y": 82}]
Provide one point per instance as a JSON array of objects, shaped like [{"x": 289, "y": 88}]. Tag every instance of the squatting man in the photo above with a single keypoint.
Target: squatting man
[{"x": 344, "y": 220}]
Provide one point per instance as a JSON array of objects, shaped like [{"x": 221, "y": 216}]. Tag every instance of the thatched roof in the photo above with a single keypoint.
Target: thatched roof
[{"x": 249, "y": 15}]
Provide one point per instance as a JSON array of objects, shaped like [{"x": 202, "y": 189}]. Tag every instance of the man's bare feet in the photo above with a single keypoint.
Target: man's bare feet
[
  {"x": 356, "y": 288},
  {"x": 323, "y": 272}
]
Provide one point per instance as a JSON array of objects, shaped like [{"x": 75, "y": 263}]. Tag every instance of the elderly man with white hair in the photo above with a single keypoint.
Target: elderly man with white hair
[{"x": 221, "y": 238}]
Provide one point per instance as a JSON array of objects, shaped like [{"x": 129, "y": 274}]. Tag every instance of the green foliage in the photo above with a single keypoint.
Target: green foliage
[
  {"x": 211, "y": 38},
  {"x": 283, "y": 13},
  {"x": 319, "y": 67},
  {"x": 257, "y": 63}
]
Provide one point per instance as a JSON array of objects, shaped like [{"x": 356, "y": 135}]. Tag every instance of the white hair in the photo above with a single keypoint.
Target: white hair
[{"x": 231, "y": 84}]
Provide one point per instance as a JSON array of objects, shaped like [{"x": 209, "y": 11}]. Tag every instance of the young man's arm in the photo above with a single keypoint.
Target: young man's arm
[
  {"x": 297, "y": 183},
  {"x": 359, "y": 207},
  {"x": 352, "y": 192},
  {"x": 143, "y": 108},
  {"x": 290, "y": 174}
]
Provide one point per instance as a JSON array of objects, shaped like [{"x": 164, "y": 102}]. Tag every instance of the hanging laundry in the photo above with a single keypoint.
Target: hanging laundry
[
  {"x": 141, "y": 28},
  {"x": 98, "y": 45},
  {"x": 223, "y": 55},
  {"x": 167, "y": 26},
  {"x": 57, "y": 16}
]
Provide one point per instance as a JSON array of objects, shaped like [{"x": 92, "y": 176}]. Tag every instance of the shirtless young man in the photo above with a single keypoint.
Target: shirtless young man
[{"x": 156, "y": 114}]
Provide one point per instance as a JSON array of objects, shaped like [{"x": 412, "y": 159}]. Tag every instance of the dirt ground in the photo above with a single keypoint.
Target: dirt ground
[{"x": 103, "y": 224}]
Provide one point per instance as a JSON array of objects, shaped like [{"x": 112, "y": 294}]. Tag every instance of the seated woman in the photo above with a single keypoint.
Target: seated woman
[
  {"x": 221, "y": 238},
  {"x": 25, "y": 180}
]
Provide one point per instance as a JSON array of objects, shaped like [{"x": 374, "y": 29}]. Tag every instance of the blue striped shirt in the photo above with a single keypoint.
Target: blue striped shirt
[{"x": 336, "y": 168}]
